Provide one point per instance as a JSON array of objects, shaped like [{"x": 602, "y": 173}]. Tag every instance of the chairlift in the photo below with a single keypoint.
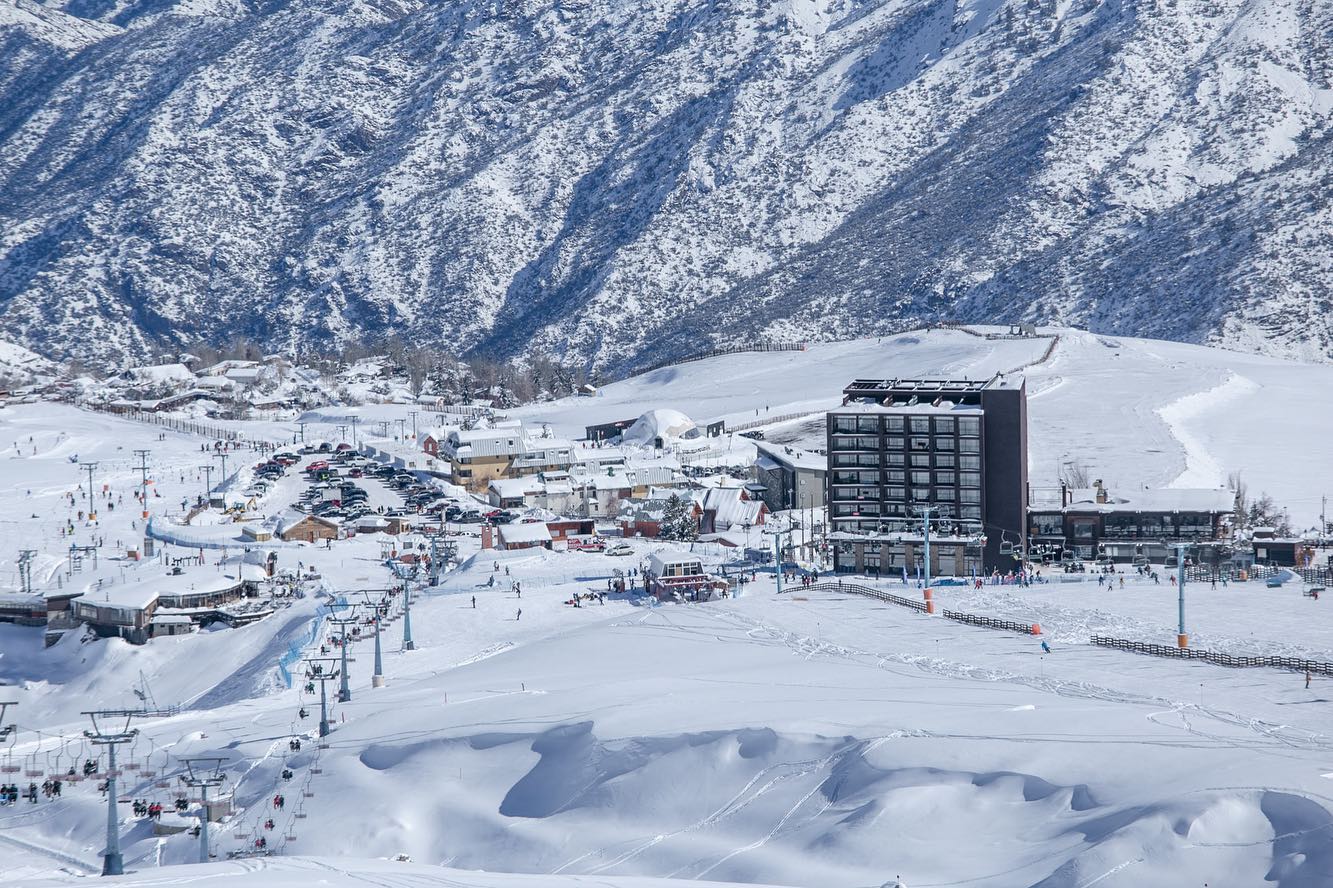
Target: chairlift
[
  {"x": 305, "y": 793},
  {"x": 316, "y": 770},
  {"x": 290, "y": 837},
  {"x": 1006, "y": 547}
]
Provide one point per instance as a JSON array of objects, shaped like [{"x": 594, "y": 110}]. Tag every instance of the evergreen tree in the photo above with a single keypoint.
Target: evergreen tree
[{"x": 678, "y": 520}]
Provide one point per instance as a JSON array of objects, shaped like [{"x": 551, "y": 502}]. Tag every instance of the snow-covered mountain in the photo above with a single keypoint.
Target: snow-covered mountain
[{"x": 609, "y": 181}]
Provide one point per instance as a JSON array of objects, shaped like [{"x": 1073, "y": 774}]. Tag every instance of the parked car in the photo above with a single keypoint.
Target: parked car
[
  {"x": 585, "y": 544},
  {"x": 619, "y": 549}
]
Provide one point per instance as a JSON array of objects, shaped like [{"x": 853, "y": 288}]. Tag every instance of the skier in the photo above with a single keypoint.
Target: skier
[
  {"x": 474, "y": 602},
  {"x": 1046, "y": 648},
  {"x": 519, "y": 615}
]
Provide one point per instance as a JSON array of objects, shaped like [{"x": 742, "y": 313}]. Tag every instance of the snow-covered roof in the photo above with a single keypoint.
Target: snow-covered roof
[
  {"x": 671, "y": 426},
  {"x": 729, "y": 508},
  {"x": 508, "y": 488},
  {"x": 670, "y": 557},
  {"x": 923, "y": 407},
  {"x": 1182, "y": 499},
  {"x": 793, "y": 457},
  {"x": 160, "y": 373},
  {"x": 534, "y": 532}
]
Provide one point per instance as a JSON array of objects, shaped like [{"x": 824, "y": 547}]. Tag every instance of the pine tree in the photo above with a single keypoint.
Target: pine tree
[{"x": 678, "y": 520}]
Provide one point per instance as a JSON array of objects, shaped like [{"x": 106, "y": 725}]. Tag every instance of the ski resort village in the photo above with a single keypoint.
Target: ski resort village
[{"x": 961, "y": 606}]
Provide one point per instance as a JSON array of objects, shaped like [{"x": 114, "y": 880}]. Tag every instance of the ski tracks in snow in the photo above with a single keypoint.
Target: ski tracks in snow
[{"x": 1202, "y": 469}]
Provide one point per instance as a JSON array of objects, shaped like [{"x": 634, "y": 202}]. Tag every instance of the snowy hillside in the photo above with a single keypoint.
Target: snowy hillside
[{"x": 615, "y": 182}]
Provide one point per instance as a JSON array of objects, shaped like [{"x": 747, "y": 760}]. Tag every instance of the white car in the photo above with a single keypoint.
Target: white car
[{"x": 620, "y": 549}]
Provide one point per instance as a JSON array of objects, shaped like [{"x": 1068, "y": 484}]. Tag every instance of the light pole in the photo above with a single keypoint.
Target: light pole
[
  {"x": 777, "y": 554},
  {"x": 209, "y": 773}
]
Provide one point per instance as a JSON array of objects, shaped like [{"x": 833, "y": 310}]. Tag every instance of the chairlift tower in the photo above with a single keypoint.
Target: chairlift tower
[
  {"x": 111, "y": 728},
  {"x": 408, "y": 644},
  {"x": 924, "y": 512},
  {"x": 222, "y": 455},
  {"x": 143, "y": 481},
  {"x": 413, "y": 414},
  {"x": 6, "y": 730},
  {"x": 25, "y": 570},
  {"x": 1182, "y": 639},
  {"x": 315, "y": 672},
  {"x": 208, "y": 481},
  {"x": 92, "y": 502},
  {"x": 379, "y": 608},
  {"x": 200, "y": 774},
  {"x": 344, "y": 692}
]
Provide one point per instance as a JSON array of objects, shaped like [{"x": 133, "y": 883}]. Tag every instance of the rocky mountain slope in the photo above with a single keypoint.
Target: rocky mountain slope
[{"x": 614, "y": 181}]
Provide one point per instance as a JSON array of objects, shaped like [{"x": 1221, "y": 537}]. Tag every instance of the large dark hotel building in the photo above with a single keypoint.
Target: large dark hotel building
[{"x": 953, "y": 449}]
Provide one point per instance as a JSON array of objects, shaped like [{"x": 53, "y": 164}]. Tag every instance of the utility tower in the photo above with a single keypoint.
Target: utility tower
[
  {"x": 143, "y": 481},
  {"x": 413, "y": 414},
  {"x": 322, "y": 670},
  {"x": 200, "y": 774},
  {"x": 222, "y": 455}
]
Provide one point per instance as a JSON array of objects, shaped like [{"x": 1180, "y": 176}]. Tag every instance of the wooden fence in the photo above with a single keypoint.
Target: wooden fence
[
  {"x": 729, "y": 350},
  {"x": 988, "y": 622},
  {"x": 869, "y": 592},
  {"x": 1165, "y": 650},
  {"x": 190, "y": 427},
  {"x": 773, "y": 420}
]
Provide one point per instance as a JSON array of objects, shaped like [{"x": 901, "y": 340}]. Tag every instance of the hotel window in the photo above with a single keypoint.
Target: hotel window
[
  {"x": 921, "y": 477},
  {"x": 921, "y": 460},
  {"x": 920, "y": 494},
  {"x": 920, "y": 443},
  {"x": 944, "y": 424},
  {"x": 944, "y": 461},
  {"x": 969, "y": 496},
  {"x": 868, "y": 424},
  {"x": 893, "y": 423},
  {"x": 844, "y": 423},
  {"x": 945, "y": 443},
  {"x": 920, "y": 425},
  {"x": 895, "y": 476},
  {"x": 894, "y": 442},
  {"x": 969, "y": 425},
  {"x": 894, "y": 459},
  {"x": 970, "y": 479},
  {"x": 973, "y": 512},
  {"x": 970, "y": 445},
  {"x": 894, "y": 493},
  {"x": 945, "y": 478},
  {"x": 969, "y": 462}
]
